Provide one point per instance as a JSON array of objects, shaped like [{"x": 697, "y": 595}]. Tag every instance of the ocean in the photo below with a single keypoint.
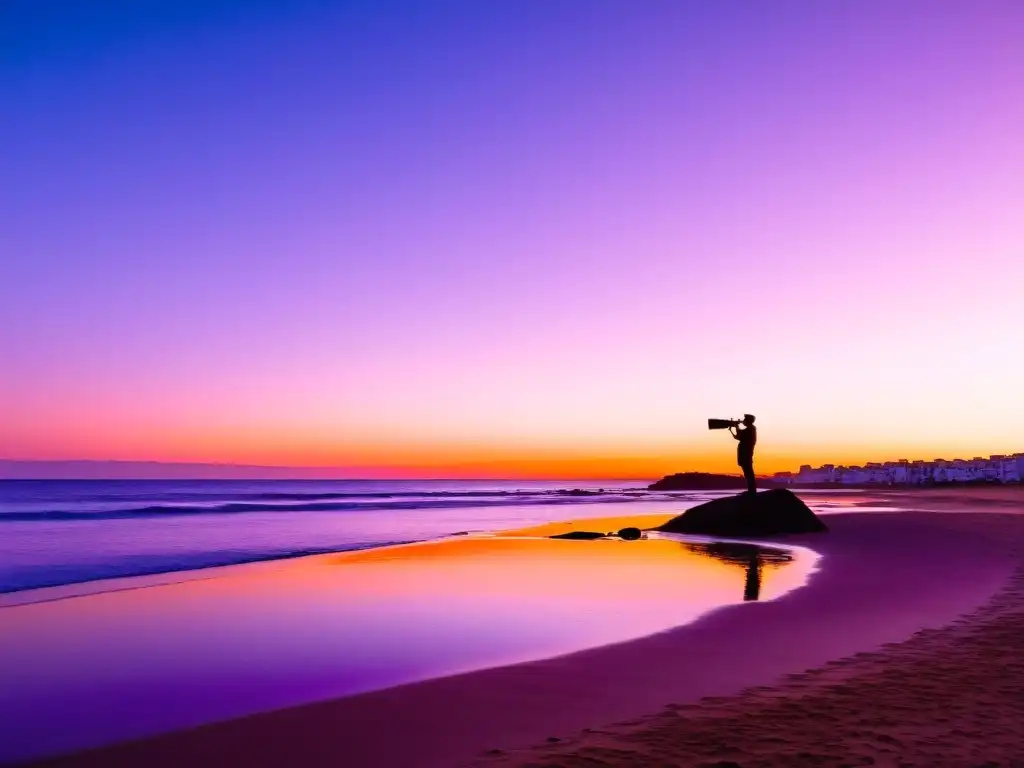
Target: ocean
[
  {"x": 69, "y": 531},
  {"x": 97, "y": 663}
]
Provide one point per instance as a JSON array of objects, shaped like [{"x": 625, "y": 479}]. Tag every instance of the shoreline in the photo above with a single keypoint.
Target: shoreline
[
  {"x": 877, "y": 585},
  {"x": 162, "y": 655},
  {"x": 637, "y": 504},
  {"x": 130, "y": 546},
  {"x": 945, "y": 697}
]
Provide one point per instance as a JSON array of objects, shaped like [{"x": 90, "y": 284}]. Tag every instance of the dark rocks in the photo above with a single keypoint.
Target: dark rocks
[
  {"x": 629, "y": 534},
  {"x": 768, "y": 513}
]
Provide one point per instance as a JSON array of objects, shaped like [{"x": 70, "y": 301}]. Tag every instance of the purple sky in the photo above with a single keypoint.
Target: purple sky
[{"x": 401, "y": 233}]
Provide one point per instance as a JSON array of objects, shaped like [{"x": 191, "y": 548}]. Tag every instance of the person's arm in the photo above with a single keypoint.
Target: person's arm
[{"x": 735, "y": 432}]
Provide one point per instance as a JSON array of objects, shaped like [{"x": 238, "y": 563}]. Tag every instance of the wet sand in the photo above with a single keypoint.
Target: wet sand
[
  {"x": 913, "y": 617},
  {"x": 139, "y": 660},
  {"x": 943, "y": 698}
]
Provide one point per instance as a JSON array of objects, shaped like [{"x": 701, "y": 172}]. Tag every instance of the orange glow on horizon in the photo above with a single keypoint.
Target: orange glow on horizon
[
  {"x": 336, "y": 452},
  {"x": 452, "y": 463}
]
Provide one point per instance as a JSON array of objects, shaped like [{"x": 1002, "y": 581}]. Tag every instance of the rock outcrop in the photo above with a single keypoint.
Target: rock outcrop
[
  {"x": 769, "y": 513},
  {"x": 629, "y": 534}
]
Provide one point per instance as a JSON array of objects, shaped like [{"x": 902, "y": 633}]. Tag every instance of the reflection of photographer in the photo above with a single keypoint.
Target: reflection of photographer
[{"x": 746, "y": 433}]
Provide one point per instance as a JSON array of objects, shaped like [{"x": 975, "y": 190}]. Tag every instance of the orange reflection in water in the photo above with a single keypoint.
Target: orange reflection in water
[{"x": 543, "y": 570}]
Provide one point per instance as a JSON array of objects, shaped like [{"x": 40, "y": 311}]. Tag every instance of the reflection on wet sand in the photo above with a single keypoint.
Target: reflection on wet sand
[
  {"x": 751, "y": 557},
  {"x": 273, "y": 635}
]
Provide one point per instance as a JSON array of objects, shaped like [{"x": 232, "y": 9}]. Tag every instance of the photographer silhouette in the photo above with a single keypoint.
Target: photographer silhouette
[{"x": 747, "y": 437}]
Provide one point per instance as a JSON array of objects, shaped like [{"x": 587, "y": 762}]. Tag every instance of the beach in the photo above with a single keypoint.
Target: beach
[
  {"x": 947, "y": 695},
  {"x": 89, "y": 664},
  {"x": 903, "y": 648}
]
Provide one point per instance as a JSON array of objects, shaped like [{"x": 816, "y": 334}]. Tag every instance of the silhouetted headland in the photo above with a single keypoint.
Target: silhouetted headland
[
  {"x": 763, "y": 514},
  {"x": 702, "y": 481}
]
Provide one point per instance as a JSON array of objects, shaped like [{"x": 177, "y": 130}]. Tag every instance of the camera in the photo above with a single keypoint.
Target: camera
[{"x": 723, "y": 423}]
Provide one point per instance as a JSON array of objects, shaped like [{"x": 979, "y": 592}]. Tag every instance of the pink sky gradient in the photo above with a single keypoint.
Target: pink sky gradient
[{"x": 515, "y": 236}]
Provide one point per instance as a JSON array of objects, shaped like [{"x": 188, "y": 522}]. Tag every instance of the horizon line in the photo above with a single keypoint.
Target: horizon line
[{"x": 279, "y": 468}]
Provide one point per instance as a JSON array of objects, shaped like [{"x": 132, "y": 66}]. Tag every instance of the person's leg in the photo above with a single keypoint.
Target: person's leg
[{"x": 748, "y": 474}]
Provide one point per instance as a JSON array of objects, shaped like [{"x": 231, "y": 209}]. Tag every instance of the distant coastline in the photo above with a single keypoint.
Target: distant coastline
[
  {"x": 997, "y": 469},
  {"x": 929, "y": 486},
  {"x": 704, "y": 481}
]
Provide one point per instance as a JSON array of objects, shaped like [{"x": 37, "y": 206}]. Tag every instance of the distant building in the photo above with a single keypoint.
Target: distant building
[{"x": 997, "y": 468}]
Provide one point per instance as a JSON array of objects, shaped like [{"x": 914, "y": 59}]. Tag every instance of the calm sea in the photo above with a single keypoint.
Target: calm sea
[{"x": 68, "y": 531}]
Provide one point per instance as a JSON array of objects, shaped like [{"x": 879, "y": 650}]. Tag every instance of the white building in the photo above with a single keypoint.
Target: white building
[{"x": 997, "y": 468}]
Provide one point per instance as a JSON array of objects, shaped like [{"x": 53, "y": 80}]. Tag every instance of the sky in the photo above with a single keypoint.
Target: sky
[{"x": 513, "y": 238}]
